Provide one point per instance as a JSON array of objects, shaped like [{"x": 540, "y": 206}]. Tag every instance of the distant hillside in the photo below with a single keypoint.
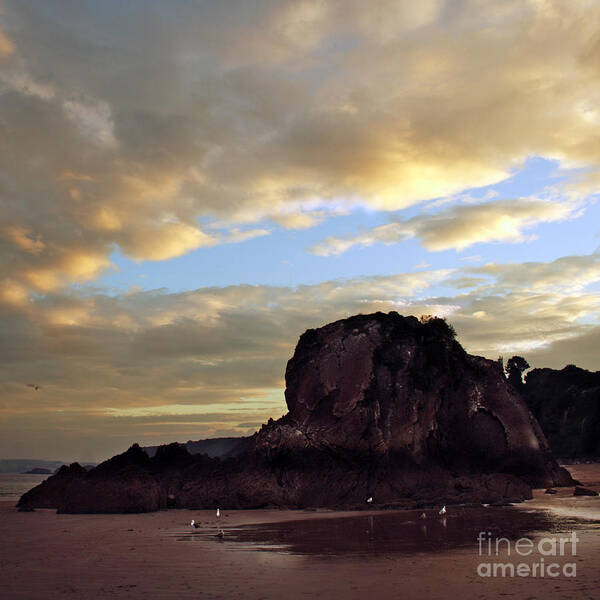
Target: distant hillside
[
  {"x": 38, "y": 471},
  {"x": 567, "y": 405},
  {"x": 215, "y": 448},
  {"x": 20, "y": 465}
]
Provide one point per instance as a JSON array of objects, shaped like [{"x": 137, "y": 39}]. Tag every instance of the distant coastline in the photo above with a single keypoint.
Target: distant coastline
[
  {"x": 38, "y": 471},
  {"x": 23, "y": 465}
]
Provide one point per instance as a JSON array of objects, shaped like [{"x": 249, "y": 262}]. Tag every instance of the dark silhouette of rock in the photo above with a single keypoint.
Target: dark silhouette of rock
[
  {"x": 567, "y": 405},
  {"x": 51, "y": 492},
  {"x": 581, "y": 491},
  {"x": 380, "y": 406}
]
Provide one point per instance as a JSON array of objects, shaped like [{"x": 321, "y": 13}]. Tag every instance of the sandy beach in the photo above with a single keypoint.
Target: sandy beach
[{"x": 157, "y": 555}]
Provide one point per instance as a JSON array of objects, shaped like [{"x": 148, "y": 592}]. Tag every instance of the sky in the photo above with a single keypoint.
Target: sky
[{"x": 187, "y": 186}]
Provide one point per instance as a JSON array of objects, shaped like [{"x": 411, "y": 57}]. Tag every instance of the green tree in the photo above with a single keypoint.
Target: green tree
[{"x": 514, "y": 370}]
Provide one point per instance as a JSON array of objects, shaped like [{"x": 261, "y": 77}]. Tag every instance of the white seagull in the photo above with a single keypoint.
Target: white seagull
[
  {"x": 218, "y": 513},
  {"x": 422, "y": 516},
  {"x": 443, "y": 511},
  {"x": 370, "y": 500},
  {"x": 194, "y": 524}
]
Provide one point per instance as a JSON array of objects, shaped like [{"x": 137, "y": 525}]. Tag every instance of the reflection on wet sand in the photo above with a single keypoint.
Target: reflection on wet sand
[{"x": 391, "y": 532}]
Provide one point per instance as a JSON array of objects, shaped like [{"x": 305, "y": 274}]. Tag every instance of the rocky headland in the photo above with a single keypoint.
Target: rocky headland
[
  {"x": 380, "y": 406},
  {"x": 566, "y": 403},
  {"x": 38, "y": 471}
]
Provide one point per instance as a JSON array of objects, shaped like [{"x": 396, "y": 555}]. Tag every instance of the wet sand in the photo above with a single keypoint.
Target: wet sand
[{"x": 295, "y": 554}]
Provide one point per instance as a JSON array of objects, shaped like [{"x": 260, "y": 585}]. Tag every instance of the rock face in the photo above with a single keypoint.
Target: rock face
[
  {"x": 567, "y": 406},
  {"x": 379, "y": 405}
]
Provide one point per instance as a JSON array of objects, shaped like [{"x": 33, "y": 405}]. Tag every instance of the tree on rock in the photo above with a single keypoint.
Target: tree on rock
[{"x": 514, "y": 370}]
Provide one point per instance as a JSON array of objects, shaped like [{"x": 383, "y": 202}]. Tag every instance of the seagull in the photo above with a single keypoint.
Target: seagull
[
  {"x": 218, "y": 513},
  {"x": 422, "y": 516},
  {"x": 443, "y": 511},
  {"x": 370, "y": 500},
  {"x": 221, "y": 534},
  {"x": 35, "y": 386},
  {"x": 194, "y": 524}
]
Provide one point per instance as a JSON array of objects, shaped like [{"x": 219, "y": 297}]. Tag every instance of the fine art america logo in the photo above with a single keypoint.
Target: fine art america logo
[{"x": 540, "y": 555}]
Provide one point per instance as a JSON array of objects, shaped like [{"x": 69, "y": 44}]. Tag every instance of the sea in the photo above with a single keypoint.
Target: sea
[{"x": 14, "y": 485}]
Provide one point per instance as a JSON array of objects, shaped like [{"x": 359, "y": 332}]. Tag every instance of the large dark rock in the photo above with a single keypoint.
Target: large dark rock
[
  {"x": 51, "y": 492},
  {"x": 379, "y": 405},
  {"x": 125, "y": 483},
  {"x": 567, "y": 405}
]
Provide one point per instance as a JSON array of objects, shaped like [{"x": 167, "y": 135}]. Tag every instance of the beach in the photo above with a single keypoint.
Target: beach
[{"x": 287, "y": 554}]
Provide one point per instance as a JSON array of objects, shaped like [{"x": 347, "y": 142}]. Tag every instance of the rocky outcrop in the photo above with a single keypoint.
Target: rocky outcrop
[
  {"x": 52, "y": 492},
  {"x": 567, "y": 405},
  {"x": 128, "y": 482},
  {"x": 379, "y": 405}
]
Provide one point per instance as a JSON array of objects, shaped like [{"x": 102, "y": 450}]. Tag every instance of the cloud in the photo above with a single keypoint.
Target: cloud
[
  {"x": 578, "y": 349},
  {"x": 125, "y": 131},
  {"x": 163, "y": 241},
  {"x": 565, "y": 274},
  {"x": 24, "y": 239},
  {"x": 520, "y": 322},
  {"x": 460, "y": 226},
  {"x": 236, "y": 235},
  {"x": 287, "y": 111},
  {"x": 6, "y": 46}
]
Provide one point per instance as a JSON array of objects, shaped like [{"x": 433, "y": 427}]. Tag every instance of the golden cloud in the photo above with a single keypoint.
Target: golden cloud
[
  {"x": 290, "y": 112},
  {"x": 301, "y": 111},
  {"x": 6, "y": 46},
  {"x": 460, "y": 226}
]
